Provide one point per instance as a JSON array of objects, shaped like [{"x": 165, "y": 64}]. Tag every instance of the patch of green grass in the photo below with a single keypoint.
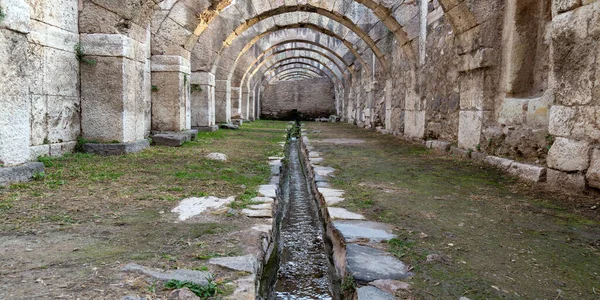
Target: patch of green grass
[
  {"x": 399, "y": 247},
  {"x": 211, "y": 289},
  {"x": 8, "y": 203}
]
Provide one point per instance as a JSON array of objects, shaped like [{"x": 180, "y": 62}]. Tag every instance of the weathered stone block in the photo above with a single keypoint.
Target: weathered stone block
[
  {"x": 561, "y": 121},
  {"x": 593, "y": 173},
  {"x": 480, "y": 58},
  {"x": 414, "y": 123},
  {"x": 462, "y": 153},
  {"x": 17, "y": 16},
  {"x": 498, "y": 162},
  {"x": 212, "y": 128},
  {"x": 513, "y": 111},
  {"x": 20, "y": 173},
  {"x": 562, "y": 180},
  {"x": 528, "y": 172},
  {"x": 169, "y": 139},
  {"x": 116, "y": 149},
  {"x": 469, "y": 129},
  {"x": 560, "y": 6},
  {"x": 569, "y": 155},
  {"x": 62, "y": 148},
  {"x": 574, "y": 55}
]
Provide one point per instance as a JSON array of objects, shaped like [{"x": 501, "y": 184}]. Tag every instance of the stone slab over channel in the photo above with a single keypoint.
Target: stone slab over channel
[
  {"x": 116, "y": 149},
  {"x": 197, "y": 277},
  {"x": 367, "y": 264},
  {"x": 20, "y": 173},
  {"x": 354, "y": 231}
]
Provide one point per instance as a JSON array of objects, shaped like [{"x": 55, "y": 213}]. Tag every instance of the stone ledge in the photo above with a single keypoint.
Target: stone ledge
[
  {"x": 173, "y": 139},
  {"x": 116, "y": 149},
  {"x": 20, "y": 173}
]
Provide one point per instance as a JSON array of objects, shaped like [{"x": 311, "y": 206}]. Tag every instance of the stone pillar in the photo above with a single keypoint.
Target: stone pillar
[
  {"x": 14, "y": 97},
  {"x": 252, "y": 105},
  {"x": 388, "y": 104},
  {"x": 245, "y": 98},
  {"x": 222, "y": 101},
  {"x": 203, "y": 101},
  {"x": 236, "y": 101},
  {"x": 414, "y": 115},
  {"x": 170, "y": 98},
  {"x": 112, "y": 95}
]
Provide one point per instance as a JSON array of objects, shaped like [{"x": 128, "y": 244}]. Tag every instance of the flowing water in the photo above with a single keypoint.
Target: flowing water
[{"x": 303, "y": 272}]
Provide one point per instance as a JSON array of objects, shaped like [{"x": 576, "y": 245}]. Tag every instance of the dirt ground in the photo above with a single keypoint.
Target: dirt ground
[
  {"x": 466, "y": 229},
  {"x": 67, "y": 234}
]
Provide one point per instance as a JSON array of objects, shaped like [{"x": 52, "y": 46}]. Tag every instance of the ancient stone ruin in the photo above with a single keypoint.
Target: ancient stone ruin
[{"x": 511, "y": 83}]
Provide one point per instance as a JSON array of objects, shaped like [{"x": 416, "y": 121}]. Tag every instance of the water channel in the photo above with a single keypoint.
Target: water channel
[{"x": 303, "y": 268}]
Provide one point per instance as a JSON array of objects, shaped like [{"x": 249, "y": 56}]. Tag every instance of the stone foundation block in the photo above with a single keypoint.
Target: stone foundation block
[
  {"x": 20, "y": 173},
  {"x": 593, "y": 173},
  {"x": 438, "y": 145},
  {"x": 565, "y": 180},
  {"x": 478, "y": 156},
  {"x": 569, "y": 155},
  {"x": 498, "y": 162},
  {"x": 237, "y": 122},
  {"x": 462, "y": 153},
  {"x": 116, "y": 149},
  {"x": 212, "y": 128},
  {"x": 229, "y": 126},
  {"x": 528, "y": 172}
]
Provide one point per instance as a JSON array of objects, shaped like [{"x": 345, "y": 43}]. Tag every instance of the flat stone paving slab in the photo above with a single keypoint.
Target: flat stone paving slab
[
  {"x": 262, "y": 200},
  {"x": 20, "y": 173},
  {"x": 360, "y": 230},
  {"x": 324, "y": 171},
  {"x": 263, "y": 213},
  {"x": 116, "y": 149},
  {"x": 197, "y": 277},
  {"x": 338, "y": 213},
  {"x": 246, "y": 263},
  {"x": 261, "y": 206},
  {"x": 333, "y": 200},
  {"x": 373, "y": 293},
  {"x": 190, "y": 207},
  {"x": 368, "y": 264},
  {"x": 327, "y": 192},
  {"x": 268, "y": 190}
]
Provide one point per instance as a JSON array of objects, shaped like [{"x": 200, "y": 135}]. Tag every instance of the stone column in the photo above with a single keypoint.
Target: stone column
[
  {"x": 170, "y": 98},
  {"x": 112, "y": 95},
  {"x": 388, "y": 104},
  {"x": 203, "y": 101},
  {"x": 236, "y": 101},
  {"x": 14, "y": 96},
  {"x": 245, "y": 99},
  {"x": 252, "y": 105},
  {"x": 222, "y": 101}
]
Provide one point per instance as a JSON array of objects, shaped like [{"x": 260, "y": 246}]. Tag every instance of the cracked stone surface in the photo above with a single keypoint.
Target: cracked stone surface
[{"x": 368, "y": 264}]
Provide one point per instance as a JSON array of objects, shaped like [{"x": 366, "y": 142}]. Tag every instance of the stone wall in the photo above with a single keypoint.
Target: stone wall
[{"x": 312, "y": 98}]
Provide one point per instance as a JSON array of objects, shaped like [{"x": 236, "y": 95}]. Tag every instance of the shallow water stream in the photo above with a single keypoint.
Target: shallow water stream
[{"x": 303, "y": 272}]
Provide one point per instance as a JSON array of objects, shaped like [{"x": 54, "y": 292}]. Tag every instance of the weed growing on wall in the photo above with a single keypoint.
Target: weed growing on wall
[
  {"x": 196, "y": 87},
  {"x": 79, "y": 52}
]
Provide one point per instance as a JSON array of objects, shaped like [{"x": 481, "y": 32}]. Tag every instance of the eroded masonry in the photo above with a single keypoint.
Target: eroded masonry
[{"x": 512, "y": 79}]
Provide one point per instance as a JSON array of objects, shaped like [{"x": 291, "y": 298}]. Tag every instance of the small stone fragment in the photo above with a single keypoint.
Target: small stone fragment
[{"x": 217, "y": 156}]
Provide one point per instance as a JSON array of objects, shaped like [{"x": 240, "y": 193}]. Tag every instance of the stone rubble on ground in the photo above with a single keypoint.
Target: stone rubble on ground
[
  {"x": 217, "y": 156},
  {"x": 190, "y": 207},
  {"x": 197, "y": 277}
]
